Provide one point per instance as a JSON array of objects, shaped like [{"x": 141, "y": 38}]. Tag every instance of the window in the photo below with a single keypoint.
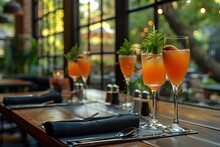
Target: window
[
  {"x": 50, "y": 28},
  {"x": 97, "y": 35}
]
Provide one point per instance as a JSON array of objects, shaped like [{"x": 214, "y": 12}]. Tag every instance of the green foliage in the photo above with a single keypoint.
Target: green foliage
[
  {"x": 73, "y": 53},
  {"x": 139, "y": 84},
  {"x": 21, "y": 56},
  {"x": 153, "y": 42},
  {"x": 125, "y": 48}
]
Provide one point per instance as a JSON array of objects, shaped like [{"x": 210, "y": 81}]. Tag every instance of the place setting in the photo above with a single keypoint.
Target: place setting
[{"x": 48, "y": 99}]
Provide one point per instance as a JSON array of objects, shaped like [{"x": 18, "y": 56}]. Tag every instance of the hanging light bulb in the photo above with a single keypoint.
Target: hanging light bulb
[{"x": 13, "y": 7}]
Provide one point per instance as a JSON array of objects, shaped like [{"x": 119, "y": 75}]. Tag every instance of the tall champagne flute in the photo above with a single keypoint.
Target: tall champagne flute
[
  {"x": 127, "y": 66},
  {"x": 85, "y": 65},
  {"x": 154, "y": 76},
  {"x": 176, "y": 57},
  {"x": 73, "y": 72}
]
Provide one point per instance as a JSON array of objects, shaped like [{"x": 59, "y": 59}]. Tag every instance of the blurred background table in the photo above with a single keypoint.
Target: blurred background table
[{"x": 14, "y": 85}]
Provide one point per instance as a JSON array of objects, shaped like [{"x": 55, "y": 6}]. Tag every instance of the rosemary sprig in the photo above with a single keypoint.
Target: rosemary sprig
[
  {"x": 73, "y": 53},
  {"x": 153, "y": 42}
]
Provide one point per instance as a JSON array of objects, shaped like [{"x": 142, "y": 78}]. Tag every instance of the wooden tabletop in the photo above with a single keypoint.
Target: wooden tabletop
[
  {"x": 14, "y": 82},
  {"x": 205, "y": 121}
]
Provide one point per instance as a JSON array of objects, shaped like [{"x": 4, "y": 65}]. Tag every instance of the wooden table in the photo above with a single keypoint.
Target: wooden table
[
  {"x": 14, "y": 84},
  {"x": 205, "y": 121}
]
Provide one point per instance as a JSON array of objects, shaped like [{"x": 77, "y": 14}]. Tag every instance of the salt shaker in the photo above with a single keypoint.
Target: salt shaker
[
  {"x": 108, "y": 99},
  {"x": 136, "y": 102},
  {"x": 145, "y": 109},
  {"x": 80, "y": 90},
  {"x": 115, "y": 95}
]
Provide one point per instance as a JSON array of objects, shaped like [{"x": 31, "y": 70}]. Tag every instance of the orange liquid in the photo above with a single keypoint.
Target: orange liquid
[
  {"x": 73, "y": 69},
  {"x": 85, "y": 66},
  {"x": 127, "y": 65},
  {"x": 153, "y": 70},
  {"x": 176, "y": 64}
]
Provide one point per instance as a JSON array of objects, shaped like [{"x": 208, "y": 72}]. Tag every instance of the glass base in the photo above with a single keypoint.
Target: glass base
[
  {"x": 175, "y": 128},
  {"x": 153, "y": 124}
]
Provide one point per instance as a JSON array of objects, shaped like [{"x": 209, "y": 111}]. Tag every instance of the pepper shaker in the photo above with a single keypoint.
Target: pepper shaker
[
  {"x": 115, "y": 95},
  {"x": 108, "y": 99},
  {"x": 136, "y": 108},
  {"x": 145, "y": 108}
]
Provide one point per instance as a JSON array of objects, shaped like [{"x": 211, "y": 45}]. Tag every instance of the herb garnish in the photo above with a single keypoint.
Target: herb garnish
[
  {"x": 73, "y": 53},
  {"x": 125, "y": 48},
  {"x": 153, "y": 42}
]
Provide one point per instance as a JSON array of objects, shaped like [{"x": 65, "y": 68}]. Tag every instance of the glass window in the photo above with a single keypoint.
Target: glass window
[
  {"x": 97, "y": 34},
  {"x": 50, "y": 35}
]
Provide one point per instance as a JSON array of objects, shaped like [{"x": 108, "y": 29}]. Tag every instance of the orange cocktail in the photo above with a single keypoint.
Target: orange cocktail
[
  {"x": 176, "y": 58},
  {"x": 176, "y": 63},
  {"x": 85, "y": 66},
  {"x": 73, "y": 69},
  {"x": 127, "y": 65},
  {"x": 153, "y": 70}
]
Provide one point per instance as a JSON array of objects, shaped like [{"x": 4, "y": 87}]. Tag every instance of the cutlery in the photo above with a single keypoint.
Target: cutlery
[
  {"x": 118, "y": 136},
  {"x": 46, "y": 104}
]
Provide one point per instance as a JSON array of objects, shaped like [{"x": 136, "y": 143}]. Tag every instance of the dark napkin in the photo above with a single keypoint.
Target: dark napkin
[
  {"x": 91, "y": 126},
  {"x": 50, "y": 96}
]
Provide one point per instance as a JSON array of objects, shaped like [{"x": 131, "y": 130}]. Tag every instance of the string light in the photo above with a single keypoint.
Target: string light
[
  {"x": 150, "y": 23},
  {"x": 159, "y": 11},
  {"x": 202, "y": 10}
]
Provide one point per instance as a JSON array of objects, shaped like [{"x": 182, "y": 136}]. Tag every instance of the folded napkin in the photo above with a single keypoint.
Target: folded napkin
[
  {"x": 50, "y": 96},
  {"x": 91, "y": 126}
]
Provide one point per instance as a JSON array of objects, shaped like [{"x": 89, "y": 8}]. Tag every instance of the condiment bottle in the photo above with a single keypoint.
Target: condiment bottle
[
  {"x": 108, "y": 99},
  {"x": 115, "y": 95},
  {"x": 145, "y": 109},
  {"x": 136, "y": 102}
]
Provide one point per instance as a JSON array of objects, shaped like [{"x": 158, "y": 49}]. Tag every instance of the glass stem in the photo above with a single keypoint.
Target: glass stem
[
  {"x": 85, "y": 90},
  {"x": 154, "y": 94},
  {"x": 175, "y": 94},
  {"x": 74, "y": 86},
  {"x": 128, "y": 88}
]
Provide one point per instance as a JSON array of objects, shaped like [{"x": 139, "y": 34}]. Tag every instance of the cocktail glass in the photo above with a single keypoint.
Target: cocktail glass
[
  {"x": 154, "y": 76},
  {"x": 176, "y": 57},
  {"x": 74, "y": 73},
  {"x": 85, "y": 65},
  {"x": 127, "y": 66}
]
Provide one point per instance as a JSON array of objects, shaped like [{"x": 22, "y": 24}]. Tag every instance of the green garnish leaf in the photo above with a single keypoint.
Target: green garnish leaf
[
  {"x": 153, "y": 42},
  {"x": 125, "y": 48},
  {"x": 73, "y": 53}
]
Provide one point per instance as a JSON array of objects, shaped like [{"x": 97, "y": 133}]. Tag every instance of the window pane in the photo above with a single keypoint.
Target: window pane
[
  {"x": 95, "y": 37},
  {"x": 83, "y": 13},
  {"x": 95, "y": 11},
  {"x": 108, "y": 8},
  {"x": 95, "y": 75},
  {"x": 109, "y": 36},
  {"x": 139, "y": 3},
  {"x": 59, "y": 44},
  {"x": 84, "y": 38},
  {"x": 109, "y": 69},
  {"x": 138, "y": 29}
]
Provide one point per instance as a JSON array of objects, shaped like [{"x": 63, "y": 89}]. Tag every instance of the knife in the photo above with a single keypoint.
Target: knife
[{"x": 23, "y": 106}]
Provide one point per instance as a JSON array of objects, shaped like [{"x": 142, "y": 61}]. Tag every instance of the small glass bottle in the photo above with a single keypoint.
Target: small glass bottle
[
  {"x": 115, "y": 95},
  {"x": 136, "y": 108},
  {"x": 108, "y": 99},
  {"x": 80, "y": 91},
  {"x": 145, "y": 108}
]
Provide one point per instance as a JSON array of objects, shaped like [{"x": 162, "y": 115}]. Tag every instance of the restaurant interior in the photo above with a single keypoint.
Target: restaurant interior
[{"x": 62, "y": 61}]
